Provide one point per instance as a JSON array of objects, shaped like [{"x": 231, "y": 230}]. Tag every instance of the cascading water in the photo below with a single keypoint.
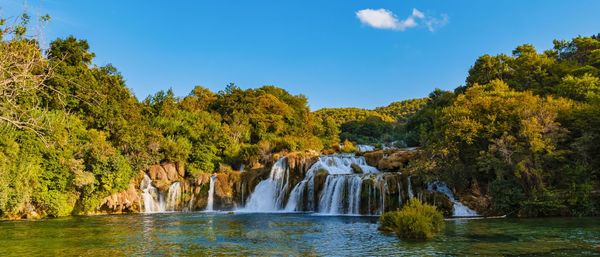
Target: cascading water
[
  {"x": 341, "y": 193},
  {"x": 211, "y": 194},
  {"x": 191, "y": 203},
  {"x": 337, "y": 189},
  {"x": 269, "y": 194},
  {"x": 410, "y": 191},
  {"x": 150, "y": 196},
  {"x": 383, "y": 188},
  {"x": 365, "y": 148},
  {"x": 459, "y": 209},
  {"x": 154, "y": 200},
  {"x": 173, "y": 197}
]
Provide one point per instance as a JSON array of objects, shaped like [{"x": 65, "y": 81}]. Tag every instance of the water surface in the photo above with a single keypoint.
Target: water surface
[{"x": 288, "y": 234}]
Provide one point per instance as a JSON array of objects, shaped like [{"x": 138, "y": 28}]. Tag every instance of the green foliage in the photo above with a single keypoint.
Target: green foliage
[
  {"x": 579, "y": 88},
  {"x": 568, "y": 69},
  {"x": 402, "y": 110},
  {"x": 348, "y": 147},
  {"x": 415, "y": 221},
  {"x": 507, "y": 196},
  {"x": 525, "y": 127},
  {"x": 419, "y": 128},
  {"x": 368, "y": 131},
  {"x": 234, "y": 126},
  {"x": 382, "y": 125}
]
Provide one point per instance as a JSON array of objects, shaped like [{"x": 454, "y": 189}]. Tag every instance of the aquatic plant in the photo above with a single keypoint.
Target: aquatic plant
[{"x": 415, "y": 221}]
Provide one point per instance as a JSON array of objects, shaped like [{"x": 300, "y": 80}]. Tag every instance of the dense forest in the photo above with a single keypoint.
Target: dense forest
[{"x": 524, "y": 129}]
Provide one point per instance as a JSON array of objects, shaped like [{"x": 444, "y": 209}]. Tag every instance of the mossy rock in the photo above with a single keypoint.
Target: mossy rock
[
  {"x": 373, "y": 158},
  {"x": 356, "y": 168},
  {"x": 441, "y": 202}
]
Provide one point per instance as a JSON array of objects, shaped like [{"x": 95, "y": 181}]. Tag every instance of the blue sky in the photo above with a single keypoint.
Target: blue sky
[{"x": 338, "y": 53}]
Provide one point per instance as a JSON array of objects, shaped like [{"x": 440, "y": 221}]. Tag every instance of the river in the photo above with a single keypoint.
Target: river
[{"x": 197, "y": 233}]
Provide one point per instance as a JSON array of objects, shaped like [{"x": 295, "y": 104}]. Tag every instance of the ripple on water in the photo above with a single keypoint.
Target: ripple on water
[{"x": 288, "y": 234}]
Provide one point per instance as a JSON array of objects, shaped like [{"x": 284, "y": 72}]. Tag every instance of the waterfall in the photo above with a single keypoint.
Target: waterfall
[
  {"x": 354, "y": 202},
  {"x": 154, "y": 200},
  {"x": 296, "y": 196},
  {"x": 410, "y": 192},
  {"x": 365, "y": 148},
  {"x": 341, "y": 193},
  {"x": 150, "y": 196},
  {"x": 459, "y": 210},
  {"x": 382, "y": 189},
  {"x": 346, "y": 184},
  {"x": 269, "y": 194},
  {"x": 399, "y": 194},
  {"x": 243, "y": 189},
  {"x": 191, "y": 202},
  {"x": 173, "y": 197},
  {"x": 211, "y": 194},
  {"x": 337, "y": 188}
]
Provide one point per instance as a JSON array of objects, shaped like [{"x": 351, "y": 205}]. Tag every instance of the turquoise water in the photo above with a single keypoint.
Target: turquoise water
[{"x": 184, "y": 234}]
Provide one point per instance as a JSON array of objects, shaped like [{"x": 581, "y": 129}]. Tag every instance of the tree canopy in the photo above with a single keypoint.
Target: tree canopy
[{"x": 524, "y": 129}]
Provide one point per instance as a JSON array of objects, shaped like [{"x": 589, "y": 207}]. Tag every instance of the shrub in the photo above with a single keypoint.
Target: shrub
[
  {"x": 415, "y": 221},
  {"x": 348, "y": 147}
]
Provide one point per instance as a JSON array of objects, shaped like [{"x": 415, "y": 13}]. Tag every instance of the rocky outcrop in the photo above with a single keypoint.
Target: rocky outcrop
[
  {"x": 475, "y": 199},
  {"x": 227, "y": 187},
  {"x": 163, "y": 175},
  {"x": 390, "y": 160},
  {"x": 123, "y": 202}
]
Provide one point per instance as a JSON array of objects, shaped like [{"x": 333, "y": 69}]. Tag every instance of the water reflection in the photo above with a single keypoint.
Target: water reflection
[{"x": 287, "y": 234}]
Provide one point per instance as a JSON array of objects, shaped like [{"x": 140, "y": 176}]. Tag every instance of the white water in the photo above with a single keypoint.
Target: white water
[
  {"x": 399, "y": 185},
  {"x": 341, "y": 164},
  {"x": 269, "y": 194},
  {"x": 150, "y": 196},
  {"x": 382, "y": 190},
  {"x": 154, "y": 200},
  {"x": 332, "y": 199},
  {"x": 341, "y": 191},
  {"x": 211, "y": 194},
  {"x": 173, "y": 197},
  {"x": 410, "y": 191},
  {"x": 459, "y": 210},
  {"x": 191, "y": 202},
  {"x": 365, "y": 148}
]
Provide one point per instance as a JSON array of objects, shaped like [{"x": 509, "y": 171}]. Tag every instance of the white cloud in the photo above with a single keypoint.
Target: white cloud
[
  {"x": 380, "y": 18},
  {"x": 385, "y": 19},
  {"x": 417, "y": 13},
  {"x": 435, "y": 23}
]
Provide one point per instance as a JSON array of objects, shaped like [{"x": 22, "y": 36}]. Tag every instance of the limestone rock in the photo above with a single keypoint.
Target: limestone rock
[
  {"x": 373, "y": 158},
  {"x": 171, "y": 171},
  {"x": 356, "y": 168},
  {"x": 156, "y": 172},
  {"x": 122, "y": 202}
]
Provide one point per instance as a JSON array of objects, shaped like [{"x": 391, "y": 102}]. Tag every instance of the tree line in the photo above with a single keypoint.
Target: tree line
[{"x": 524, "y": 129}]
